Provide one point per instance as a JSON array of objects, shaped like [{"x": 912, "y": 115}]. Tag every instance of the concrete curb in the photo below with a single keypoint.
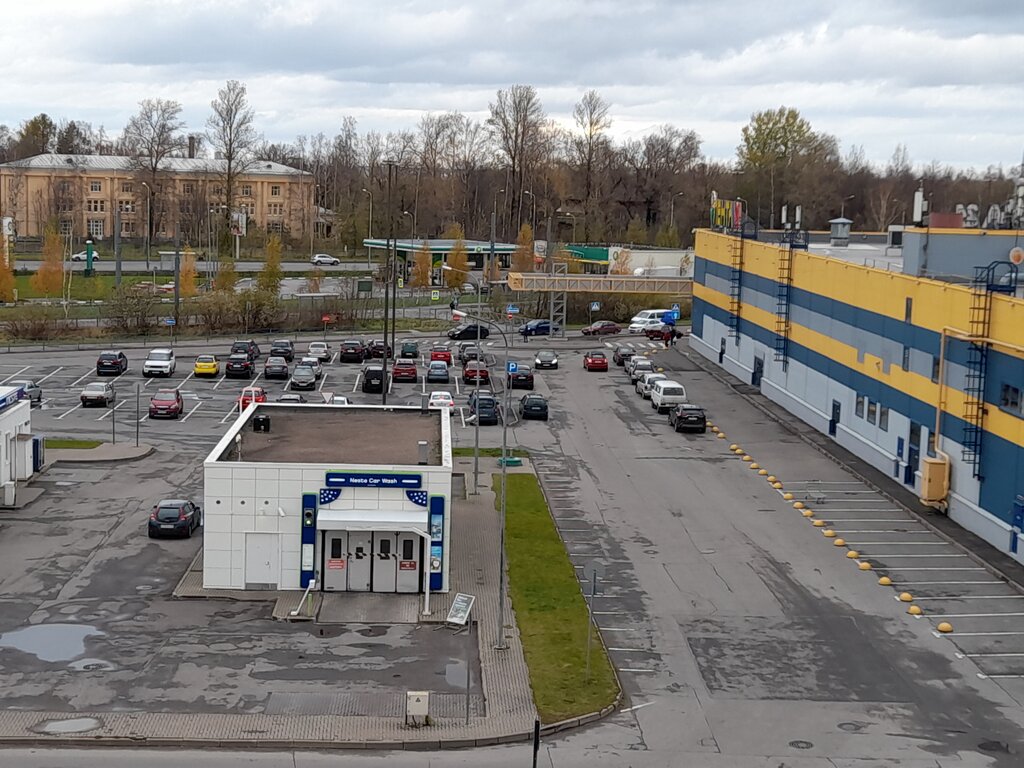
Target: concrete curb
[
  {"x": 143, "y": 452},
  {"x": 993, "y": 570}
]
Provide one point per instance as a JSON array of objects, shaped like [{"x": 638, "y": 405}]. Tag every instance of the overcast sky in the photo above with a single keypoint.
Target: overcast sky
[{"x": 939, "y": 76}]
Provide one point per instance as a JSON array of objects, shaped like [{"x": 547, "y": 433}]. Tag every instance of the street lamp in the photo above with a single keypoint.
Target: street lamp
[
  {"x": 369, "y": 224},
  {"x": 312, "y": 220},
  {"x": 842, "y": 206},
  {"x": 573, "y": 217},
  {"x": 500, "y": 641},
  {"x": 149, "y": 221},
  {"x": 672, "y": 210},
  {"x": 533, "y": 217},
  {"x": 476, "y": 420}
]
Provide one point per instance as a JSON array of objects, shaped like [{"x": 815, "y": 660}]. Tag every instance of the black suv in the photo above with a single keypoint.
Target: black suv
[
  {"x": 112, "y": 363},
  {"x": 280, "y": 348},
  {"x": 373, "y": 378},
  {"x": 248, "y": 347},
  {"x": 688, "y": 416},
  {"x": 468, "y": 331},
  {"x": 352, "y": 351},
  {"x": 622, "y": 355},
  {"x": 239, "y": 366},
  {"x": 377, "y": 348}
]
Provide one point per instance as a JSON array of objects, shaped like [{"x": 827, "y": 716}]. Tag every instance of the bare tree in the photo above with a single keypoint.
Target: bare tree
[
  {"x": 233, "y": 136},
  {"x": 592, "y": 120},
  {"x": 151, "y": 136},
  {"x": 516, "y": 123}
]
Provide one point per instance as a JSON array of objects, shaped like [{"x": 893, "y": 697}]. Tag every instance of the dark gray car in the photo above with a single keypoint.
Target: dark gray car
[{"x": 303, "y": 378}]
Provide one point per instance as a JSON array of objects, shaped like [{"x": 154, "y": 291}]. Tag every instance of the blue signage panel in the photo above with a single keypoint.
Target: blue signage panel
[
  {"x": 308, "y": 531},
  {"x": 170, "y": 321},
  {"x": 437, "y": 543},
  {"x": 595, "y": 306},
  {"x": 513, "y": 367},
  {"x": 372, "y": 480},
  {"x": 512, "y": 309}
]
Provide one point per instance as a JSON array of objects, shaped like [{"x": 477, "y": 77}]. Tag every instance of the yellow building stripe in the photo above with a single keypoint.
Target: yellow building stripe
[{"x": 1005, "y": 425}]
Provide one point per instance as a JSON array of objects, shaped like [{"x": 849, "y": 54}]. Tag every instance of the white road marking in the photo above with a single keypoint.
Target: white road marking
[
  {"x": 333, "y": 358},
  {"x": 971, "y": 597},
  {"x": 185, "y": 380},
  {"x": 90, "y": 373},
  {"x": 69, "y": 410},
  {"x": 356, "y": 385},
  {"x": 462, "y": 416},
  {"x": 985, "y": 655},
  {"x": 636, "y": 670},
  {"x": 890, "y": 568},
  {"x": 220, "y": 381},
  {"x": 233, "y": 412},
  {"x": 144, "y": 418},
  {"x": 51, "y": 373},
  {"x": 4, "y": 381},
  {"x": 972, "y": 615},
  {"x": 185, "y": 417},
  {"x": 877, "y": 556},
  {"x": 901, "y": 543},
  {"x": 630, "y": 650},
  {"x": 978, "y": 634},
  {"x": 111, "y": 410},
  {"x": 323, "y": 380},
  {"x": 935, "y": 583},
  {"x": 457, "y": 392}
]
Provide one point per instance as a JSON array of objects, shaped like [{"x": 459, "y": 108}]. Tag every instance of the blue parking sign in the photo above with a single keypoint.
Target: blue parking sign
[{"x": 513, "y": 367}]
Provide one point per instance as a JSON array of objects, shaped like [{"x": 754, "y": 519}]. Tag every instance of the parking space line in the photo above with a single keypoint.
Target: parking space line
[
  {"x": 110, "y": 410},
  {"x": 970, "y": 597},
  {"x": 973, "y": 615},
  {"x": 356, "y": 385},
  {"x": 391, "y": 383},
  {"x": 196, "y": 408},
  {"x": 983, "y": 676},
  {"x": 143, "y": 418},
  {"x": 985, "y": 655},
  {"x": 333, "y": 358},
  {"x": 876, "y": 556},
  {"x": 630, "y": 650},
  {"x": 932, "y": 569},
  {"x": 91, "y": 372},
  {"x": 462, "y": 416},
  {"x": 185, "y": 380},
  {"x": 69, "y": 410},
  {"x": 610, "y": 613},
  {"x": 936, "y": 583},
  {"x": 231, "y": 413},
  {"x": 978, "y": 634},
  {"x": 638, "y": 671},
  {"x": 891, "y": 530},
  {"x": 220, "y": 381},
  {"x": 618, "y": 629},
  {"x": 901, "y": 543},
  {"x": 51, "y": 373},
  {"x": 4, "y": 381},
  {"x": 323, "y": 380}
]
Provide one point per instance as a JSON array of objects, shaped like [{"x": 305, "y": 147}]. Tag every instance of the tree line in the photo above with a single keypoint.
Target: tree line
[{"x": 519, "y": 166}]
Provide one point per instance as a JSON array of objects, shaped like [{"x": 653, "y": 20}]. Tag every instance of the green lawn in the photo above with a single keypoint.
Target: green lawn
[
  {"x": 493, "y": 453},
  {"x": 550, "y": 610},
  {"x": 97, "y": 287},
  {"x": 70, "y": 442}
]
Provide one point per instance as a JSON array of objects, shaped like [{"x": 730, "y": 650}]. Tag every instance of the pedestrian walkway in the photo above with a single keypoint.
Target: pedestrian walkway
[{"x": 504, "y": 713}]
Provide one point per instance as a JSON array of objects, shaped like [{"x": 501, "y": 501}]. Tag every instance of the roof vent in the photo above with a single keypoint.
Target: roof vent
[
  {"x": 69, "y": 160},
  {"x": 270, "y": 166},
  {"x": 424, "y": 454}
]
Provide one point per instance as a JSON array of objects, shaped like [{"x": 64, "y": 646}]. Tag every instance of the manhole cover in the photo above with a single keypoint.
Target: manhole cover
[
  {"x": 799, "y": 744},
  {"x": 851, "y": 727},
  {"x": 71, "y": 725},
  {"x": 143, "y": 588},
  {"x": 91, "y": 665}
]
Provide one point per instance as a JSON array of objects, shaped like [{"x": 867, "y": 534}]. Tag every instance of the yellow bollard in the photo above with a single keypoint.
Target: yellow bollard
[
  {"x": 945, "y": 626},
  {"x": 747, "y": 458},
  {"x": 906, "y": 597},
  {"x": 721, "y": 435},
  {"x": 809, "y": 513},
  {"x": 755, "y": 465},
  {"x": 915, "y": 610},
  {"x": 885, "y": 581},
  {"x": 828, "y": 533},
  {"x": 777, "y": 485},
  {"x": 864, "y": 565},
  {"x": 839, "y": 543},
  {"x": 820, "y": 523},
  {"x": 733, "y": 447},
  {"x": 853, "y": 554},
  {"x": 798, "y": 505},
  {"x": 762, "y": 472},
  {"x": 787, "y": 496},
  {"x": 772, "y": 478}
]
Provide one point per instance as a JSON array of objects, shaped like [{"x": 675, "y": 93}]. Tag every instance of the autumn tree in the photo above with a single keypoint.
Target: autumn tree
[
  {"x": 269, "y": 278},
  {"x": 636, "y": 232},
  {"x": 226, "y": 277},
  {"x": 667, "y": 237},
  {"x": 522, "y": 257},
  {"x": 35, "y": 136},
  {"x": 314, "y": 280},
  {"x": 6, "y": 283},
  {"x": 49, "y": 278},
  {"x": 458, "y": 260},
  {"x": 187, "y": 276},
  {"x": 421, "y": 266}
]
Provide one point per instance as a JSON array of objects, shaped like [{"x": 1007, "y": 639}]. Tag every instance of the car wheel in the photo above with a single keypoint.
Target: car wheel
[
  {"x": 653, "y": 406},
  {"x": 151, "y": 534},
  {"x": 676, "y": 428},
  {"x": 704, "y": 430}
]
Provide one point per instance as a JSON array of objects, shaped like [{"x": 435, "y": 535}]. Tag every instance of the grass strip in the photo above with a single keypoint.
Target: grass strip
[
  {"x": 550, "y": 609},
  {"x": 491, "y": 453},
  {"x": 71, "y": 443}
]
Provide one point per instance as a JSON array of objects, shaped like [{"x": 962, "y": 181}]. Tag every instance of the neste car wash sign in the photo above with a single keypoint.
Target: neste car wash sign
[{"x": 372, "y": 480}]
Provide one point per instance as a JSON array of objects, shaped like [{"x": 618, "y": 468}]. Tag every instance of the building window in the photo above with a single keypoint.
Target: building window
[
  {"x": 126, "y": 206},
  {"x": 935, "y": 369},
  {"x": 187, "y": 188},
  {"x": 872, "y": 411},
  {"x": 128, "y": 228},
  {"x": 67, "y": 227},
  {"x": 275, "y": 209},
  {"x": 1009, "y": 398},
  {"x": 275, "y": 226},
  {"x": 908, "y": 310},
  {"x": 931, "y": 445},
  {"x": 249, "y": 208},
  {"x": 218, "y": 190},
  {"x": 247, "y": 190},
  {"x": 95, "y": 186},
  {"x": 883, "y": 418},
  {"x": 95, "y": 206},
  {"x": 96, "y": 229},
  {"x": 64, "y": 206},
  {"x": 275, "y": 190},
  {"x": 906, "y": 358},
  {"x": 859, "y": 407},
  {"x": 63, "y": 187},
  {"x": 127, "y": 188},
  {"x": 185, "y": 206}
]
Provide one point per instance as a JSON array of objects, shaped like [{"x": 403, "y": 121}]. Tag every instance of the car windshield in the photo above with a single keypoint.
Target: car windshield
[
  {"x": 674, "y": 391},
  {"x": 239, "y": 346},
  {"x": 318, "y": 345},
  {"x": 545, "y": 354},
  {"x": 405, "y": 363},
  {"x": 239, "y": 358},
  {"x": 597, "y": 354},
  {"x": 108, "y": 356},
  {"x": 166, "y": 397},
  {"x": 206, "y": 359},
  {"x": 96, "y": 386},
  {"x": 644, "y": 364},
  {"x": 276, "y": 361},
  {"x": 281, "y": 343},
  {"x": 167, "y": 514},
  {"x": 439, "y": 365},
  {"x": 303, "y": 370},
  {"x": 160, "y": 355},
  {"x": 251, "y": 392}
]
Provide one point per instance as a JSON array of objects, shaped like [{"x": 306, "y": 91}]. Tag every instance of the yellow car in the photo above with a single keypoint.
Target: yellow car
[{"x": 206, "y": 365}]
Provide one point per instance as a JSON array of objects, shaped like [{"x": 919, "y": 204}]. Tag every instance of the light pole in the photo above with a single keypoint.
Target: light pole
[
  {"x": 573, "y": 217},
  {"x": 369, "y": 224},
  {"x": 149, "y": 220},
  {"x": 533, "y": 217},
  {"x": 842, "y": 206},
  {"x": 500, "y": 639},
  {"x": 672, "y": 210},
  {"x": 476, "y": 419},
  {"x": 312, "y": 220}
]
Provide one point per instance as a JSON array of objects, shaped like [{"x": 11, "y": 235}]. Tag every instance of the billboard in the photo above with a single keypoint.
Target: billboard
[
  {"x": 238, "y": 221},
  {"x": 726, "y": 214}
]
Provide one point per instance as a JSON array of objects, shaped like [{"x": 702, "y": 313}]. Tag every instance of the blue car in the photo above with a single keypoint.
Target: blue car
[{"x": 538, "y": 328}]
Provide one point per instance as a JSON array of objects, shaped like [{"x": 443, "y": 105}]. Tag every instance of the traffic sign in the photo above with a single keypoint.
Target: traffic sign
[
  {"x": 595, "y": 306},
  {"x": 513, "y": 366},
  {"x": 512, "y": 309},
  {"x": 325, "y": 319},
  {"x": 435, "y": 295},
  {"x": 401, "y": 282},
  {"x": 170, "y": 321},
  {"x": 675, "y": 312}
]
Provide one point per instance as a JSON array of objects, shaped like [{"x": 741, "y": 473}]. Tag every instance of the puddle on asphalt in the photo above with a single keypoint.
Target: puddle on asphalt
[
  {"x": 71, "y": 725},
  {"x": 50, "y": 642},
  {"x": 455, "y": 673}
]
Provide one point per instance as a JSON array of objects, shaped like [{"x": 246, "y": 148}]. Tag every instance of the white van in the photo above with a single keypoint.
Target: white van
[
  {"x": 665, "y": 394},
  {"x": 644, "y": 320}
]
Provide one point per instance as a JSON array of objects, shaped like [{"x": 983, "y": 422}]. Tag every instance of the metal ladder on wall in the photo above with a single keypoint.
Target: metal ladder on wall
[
  {"x": 784, "y": 279},
  {"x": 735, "y": 284},
  {"x": 979, "y": 322}
]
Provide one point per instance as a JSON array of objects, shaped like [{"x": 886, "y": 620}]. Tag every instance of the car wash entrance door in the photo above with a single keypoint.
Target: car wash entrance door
[
  {"x": 360, "y": 560},
  {"x": 385, "y": 561},
  {"x": 335, "y": 565},
  {"x": 410, "y": 561}
]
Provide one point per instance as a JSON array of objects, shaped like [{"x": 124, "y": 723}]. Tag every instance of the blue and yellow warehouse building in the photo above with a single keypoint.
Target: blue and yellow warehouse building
[{"x": 921, "y": 377}]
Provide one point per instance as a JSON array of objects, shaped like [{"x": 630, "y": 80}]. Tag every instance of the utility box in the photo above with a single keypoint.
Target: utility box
[
  {"x": 417, "y": 707},
  {"x": 934, "y": 479}
]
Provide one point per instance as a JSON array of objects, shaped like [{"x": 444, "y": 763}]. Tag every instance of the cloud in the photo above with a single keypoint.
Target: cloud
[{"x": 936, "y": 76}]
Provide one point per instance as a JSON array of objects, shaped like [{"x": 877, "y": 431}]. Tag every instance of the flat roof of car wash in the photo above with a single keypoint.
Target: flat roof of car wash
[{"x": 326, "y": 434}]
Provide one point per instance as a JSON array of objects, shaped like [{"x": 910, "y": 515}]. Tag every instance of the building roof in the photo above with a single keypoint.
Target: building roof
[
  {"x": 52, "y": 161},
  {"x": 440, "y": 246},
  {"x": 329, "y": 434}
]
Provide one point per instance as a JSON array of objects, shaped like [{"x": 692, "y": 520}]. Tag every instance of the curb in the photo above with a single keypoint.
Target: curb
[
  {"x": 113, "y": 460},
  {"x": 727, "y": 379}
]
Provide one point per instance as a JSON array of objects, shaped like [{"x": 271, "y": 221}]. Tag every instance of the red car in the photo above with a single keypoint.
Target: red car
[
  {"x": 595, "y": 361},
  {"x": 442, "y": 353},
  {"x": 601, "y": 328},
  {"x": 251, "y": 395},
  {"x": 405, "y": 370},
  {"x": 476, "y": 371},
  {"x": 166, "y": 403}
]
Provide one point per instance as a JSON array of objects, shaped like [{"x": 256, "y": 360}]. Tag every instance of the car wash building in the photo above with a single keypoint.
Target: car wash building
[
  {"x": 349, "y": 498},
  {"x": 21, "y": 454}
]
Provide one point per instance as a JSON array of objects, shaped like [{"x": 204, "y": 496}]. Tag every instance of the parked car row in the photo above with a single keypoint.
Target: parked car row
[{"x": 665, "y": 394}]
